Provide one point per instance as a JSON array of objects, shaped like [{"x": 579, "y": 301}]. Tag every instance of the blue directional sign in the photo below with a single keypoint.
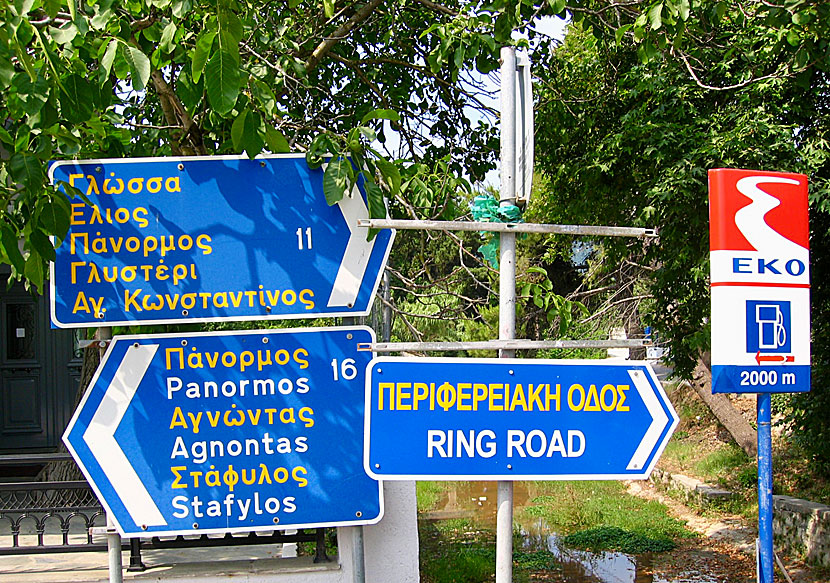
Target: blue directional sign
[
  {"x": 228, "y": 432},
  {"x": 201, "y": 239},
  {"x": 512, "y": 419}
]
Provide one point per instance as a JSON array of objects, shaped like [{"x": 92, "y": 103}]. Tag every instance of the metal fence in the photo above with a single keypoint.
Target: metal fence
[{"x": 57, "y": 517}]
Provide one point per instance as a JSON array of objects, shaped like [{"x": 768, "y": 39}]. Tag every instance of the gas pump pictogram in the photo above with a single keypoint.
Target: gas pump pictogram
[{"x": 768, "y": 326}]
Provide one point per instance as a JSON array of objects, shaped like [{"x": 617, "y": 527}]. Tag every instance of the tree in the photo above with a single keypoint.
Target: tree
[
  {"x": 122, "y": 78},
  {"x": 628, "y": 132}
]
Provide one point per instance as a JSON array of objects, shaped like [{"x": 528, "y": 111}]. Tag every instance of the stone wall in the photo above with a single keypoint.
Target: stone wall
[
  {"x": 692, "y": 490},
  {"x": 802, "y": 528}
]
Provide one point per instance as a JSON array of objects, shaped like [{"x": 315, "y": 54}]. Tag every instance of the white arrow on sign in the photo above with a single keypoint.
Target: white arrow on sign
[
  {"x": 100, "y": 436},
  {"x": 356, "y": 257},
  {"x": 658, "y": 420}
]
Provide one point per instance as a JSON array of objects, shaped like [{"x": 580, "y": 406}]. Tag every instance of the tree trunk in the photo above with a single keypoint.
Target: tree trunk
[{"x": 720, "y": 405}]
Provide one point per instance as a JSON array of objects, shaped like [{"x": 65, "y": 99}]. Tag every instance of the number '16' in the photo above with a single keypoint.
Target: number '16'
[{"x": 345, "y": 370}]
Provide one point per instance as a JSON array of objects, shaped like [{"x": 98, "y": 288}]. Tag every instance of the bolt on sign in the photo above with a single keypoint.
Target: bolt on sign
[
  {"x": 201, "y": 239},
  {"x": 513, "y": 419},
  {"x": 228, "y": 432}
]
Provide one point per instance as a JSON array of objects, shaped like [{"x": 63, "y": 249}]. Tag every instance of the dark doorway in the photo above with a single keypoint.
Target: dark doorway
[{"x": 39, "y": 372}]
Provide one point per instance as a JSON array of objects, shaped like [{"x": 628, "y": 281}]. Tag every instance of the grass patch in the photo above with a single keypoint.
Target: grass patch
[
  {"x": 612, "y": 538},
  {"x": 722, "y": 464},
  {"x": 573, "y": 506},
  {"x": 457, "y": 551},
  {"x": 427, "y": 495}
]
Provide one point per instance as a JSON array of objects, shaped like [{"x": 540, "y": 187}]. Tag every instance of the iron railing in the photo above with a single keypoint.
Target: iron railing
[{"x": 38, "y": 511}]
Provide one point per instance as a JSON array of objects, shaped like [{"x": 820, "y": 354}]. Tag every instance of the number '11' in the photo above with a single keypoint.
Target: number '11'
[{"x": 300, "y": 238}]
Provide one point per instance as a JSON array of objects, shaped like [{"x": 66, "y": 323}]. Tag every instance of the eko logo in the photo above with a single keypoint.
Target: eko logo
[{"x": 768, "y": 326}]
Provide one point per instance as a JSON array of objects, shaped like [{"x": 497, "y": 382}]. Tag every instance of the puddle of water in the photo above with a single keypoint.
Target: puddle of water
[{"x": 477, "y": 501}]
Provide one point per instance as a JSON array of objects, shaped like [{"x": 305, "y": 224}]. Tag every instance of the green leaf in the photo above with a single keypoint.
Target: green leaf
[
  {"x": 181, "y": 8},
  {"x": 138, "y": 64},
  {"x": 167, "y": 35},
  {"x": 336, "y": 179},
  {"x": 41, "y": 243},
  {"x": 9, "y": 240},
  {"x": 328, "y": 8},
  {"x": 26, "y": 170},
  {"x": 503, "y": 28},
  {"x": 685, "y": 9},
  {"x": 275, "y": 141},
  {"x": 65, "y": 34},
  {"x": 6, "y": 137},
  {"x": 33, "y": 270},
  {"x": 109, "y": 57},
  {"x": 377, "y": 210},
  {"x": 201, "y": 53},
  {"x": 76, "y": 99},
  {"x": 381, "y": 114},
  {"x": 557, "y": 6},
  {"x": 222, "y": 81},
  {"x": 52, "y": 7},
  {"x": 793, "y": 37},
  {"x": 245, "y": 133},
  {"x": 24, "y": 6},
  {"x": 390, "y": 174},
  {"x": 620, "y": 33},
  {"x": 230, "y": 25},
  {"x": 368, "y": 134},
  {"x": 238, "y": 128},
  {"x": 103, "y": 16},
  {"x": 655, "y": 16},
  {"x": 55, "y": 216},
  {"x": 6, "y": 72}
]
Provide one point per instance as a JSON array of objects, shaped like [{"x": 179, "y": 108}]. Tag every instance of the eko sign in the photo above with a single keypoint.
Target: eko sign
[{"x": 760, "y": 278}]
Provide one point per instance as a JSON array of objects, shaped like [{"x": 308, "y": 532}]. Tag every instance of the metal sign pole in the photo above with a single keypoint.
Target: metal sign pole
[
  {"x": 113, "y": 538},
  {"x": 765, "y": 553},
  {"x": 507, "y": 293}
]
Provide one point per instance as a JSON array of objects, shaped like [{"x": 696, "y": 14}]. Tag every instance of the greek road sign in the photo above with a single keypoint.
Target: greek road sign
[
  {"x": 210, "y": 238},
  {"x": 513, "y": 419},
  {"x": 760, "y": 278},
  {"x": 228, "y": 432}
]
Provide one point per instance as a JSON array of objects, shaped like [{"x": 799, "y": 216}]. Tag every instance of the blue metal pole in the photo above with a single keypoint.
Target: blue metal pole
[{"x": 765, "y": 555}]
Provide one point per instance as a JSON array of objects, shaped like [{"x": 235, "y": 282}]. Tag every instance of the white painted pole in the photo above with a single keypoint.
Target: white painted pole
[
  {"x": 507, "y": 293},
  {"x": 113, "y": 538}
]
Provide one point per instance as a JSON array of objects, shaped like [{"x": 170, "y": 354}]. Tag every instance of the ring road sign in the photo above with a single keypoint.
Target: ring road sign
[
  {"x": 760, "y": 279},
  {"x": 512, "y": 419},
  {"x": 210, "y": 238},
  {"x": 228, "y": 432}
]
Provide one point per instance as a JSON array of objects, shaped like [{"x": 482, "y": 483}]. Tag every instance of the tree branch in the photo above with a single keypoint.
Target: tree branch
[{"x": 342, "y": 32}]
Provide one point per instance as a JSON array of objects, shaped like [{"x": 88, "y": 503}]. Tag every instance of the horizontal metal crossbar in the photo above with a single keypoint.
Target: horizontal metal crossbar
[
  {"x": 70, "y": 548},
  {"x": 500, "y": 345},
  {"x": 506, "y": 227},
  {"x": 27, "y": 486},
  {"x": 16, "y": 459}
]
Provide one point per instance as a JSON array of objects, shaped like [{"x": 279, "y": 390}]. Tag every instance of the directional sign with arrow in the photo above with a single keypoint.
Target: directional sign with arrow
[
  {"x": 228, "y": 432},
  {"x": 513, "y": 419},
  {"x": 198, "y": 239}
]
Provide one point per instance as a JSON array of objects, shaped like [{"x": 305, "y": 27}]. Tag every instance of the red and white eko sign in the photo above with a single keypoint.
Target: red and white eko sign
[{"x": 760, "y": 278}]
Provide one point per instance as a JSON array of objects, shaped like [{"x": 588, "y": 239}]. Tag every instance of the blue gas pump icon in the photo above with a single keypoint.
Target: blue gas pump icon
[{"x": 768, "y": 326}]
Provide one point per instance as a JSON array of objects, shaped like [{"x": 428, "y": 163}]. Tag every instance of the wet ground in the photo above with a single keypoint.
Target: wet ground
[{"x": 723, "y": 558}]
